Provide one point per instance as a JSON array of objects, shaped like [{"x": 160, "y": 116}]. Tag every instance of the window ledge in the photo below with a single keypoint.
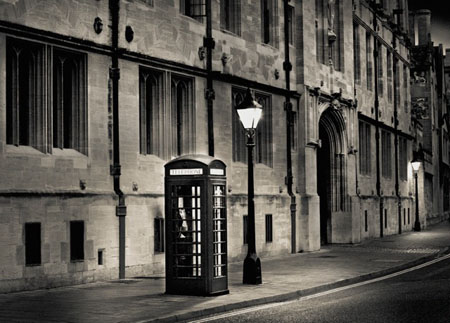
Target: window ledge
[
  {"x": 23, "y": 150},
  {"x": 67, "y": 153},
  {"x": 228, "y": 32}
]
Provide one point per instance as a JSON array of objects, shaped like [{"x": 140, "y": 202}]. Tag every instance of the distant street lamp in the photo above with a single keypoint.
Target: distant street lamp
[
  {"x": 415, "y": 164},
  {"x": 250, "y": 112}
]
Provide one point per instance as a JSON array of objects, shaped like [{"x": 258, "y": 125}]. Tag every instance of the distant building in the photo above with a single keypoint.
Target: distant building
[{"x": 429, "y": 108}]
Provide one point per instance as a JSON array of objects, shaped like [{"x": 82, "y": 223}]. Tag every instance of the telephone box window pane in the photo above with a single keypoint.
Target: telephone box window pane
[
  {"x": 186, "y": 226},
  {"x": 219, "y": 230}
]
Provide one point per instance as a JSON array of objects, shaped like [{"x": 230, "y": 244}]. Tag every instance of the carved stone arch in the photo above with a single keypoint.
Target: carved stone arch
[{"x": 332, "y": 169}]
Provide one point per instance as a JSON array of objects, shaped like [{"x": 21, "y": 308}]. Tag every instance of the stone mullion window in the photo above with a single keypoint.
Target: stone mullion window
[
  {"x": 389, "y": 75},
  {"x": 150, "y": 112},
  {"x": 239, "y": 138},
  {"x": 25, "y": 113},
  {"x": 405, "y": 87},
  {"x": 369, "y": 68},
  {"x": 321, "y": 45},
  {"x": 364, "y": 148},
  {"x": 337, "y": 46},
  {"x": 386, "y": 155},
  {"x": 380, "y": 70},
  {"x": 269, "y": 22},
  {"x": 69, "y": 101},
  {"x": 403, "y": 158},
  {"x": 263, "y": 153},
  {"x": 230, "y": 16},
  {"x": 182, "y": 116},
  {"x": 356, "y": 54}
]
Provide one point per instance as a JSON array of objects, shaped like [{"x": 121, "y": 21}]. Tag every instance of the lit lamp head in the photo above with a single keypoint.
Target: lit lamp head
[
  {"x": 415, "y": 164},
  {"x": 249, "y": 111}
]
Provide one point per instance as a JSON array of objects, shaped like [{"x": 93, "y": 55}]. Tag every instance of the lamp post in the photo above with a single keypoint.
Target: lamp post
[
  {"x": 415, "y": 164},
  {"x": 250, "y": 112}
]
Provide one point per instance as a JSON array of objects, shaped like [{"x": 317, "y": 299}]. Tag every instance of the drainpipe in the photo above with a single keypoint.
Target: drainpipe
[
  {"x": 208, "y": 44},
  {"x": 114, "y": 73},
  {"x": 397, "y": 188},
  {"x": 377, "y": 118},
  {"x": 287, "y": 66}
]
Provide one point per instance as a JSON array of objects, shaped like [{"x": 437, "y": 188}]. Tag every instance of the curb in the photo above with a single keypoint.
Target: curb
[{"x": 296, "y": 294}]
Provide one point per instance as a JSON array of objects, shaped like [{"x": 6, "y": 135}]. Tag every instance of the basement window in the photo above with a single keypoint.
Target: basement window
[
  {"x": 32, "y": 244},
  {"x": 76, "y": 240}
]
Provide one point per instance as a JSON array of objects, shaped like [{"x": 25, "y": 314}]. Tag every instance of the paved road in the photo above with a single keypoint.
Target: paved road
[{"x": 421, "y": 295}]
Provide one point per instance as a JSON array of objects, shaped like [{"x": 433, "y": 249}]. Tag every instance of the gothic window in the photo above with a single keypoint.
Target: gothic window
[
  {"x": 364, "y": 148},
  {"x": 380, "y": 70},
  {"x": 69, "y": 100},
  {"x": 263, "y": 153},
  {"x": 403, "y": 158},
  {"x": 182, "y": 115},
  {"x": 238, "y": 137},
  {"x": 369, "y": 68},
  {"x": 150, "y": 112},
  {"x": 335, "y": 26},
  {"x": 230, "y": 16},
  {"x": 25, "y": 114},
  {"x": 389, "y": 75},
  {"x": 193, "y": 8},
  {"x": 321, "y": 44},
  {"x": 386, "y": 154},
  {"x": 405, "y": 87},
  {"x": 356, "y": 54},
  {"x": 268, "y": 21},
  {"x": 291, "y": 23}
]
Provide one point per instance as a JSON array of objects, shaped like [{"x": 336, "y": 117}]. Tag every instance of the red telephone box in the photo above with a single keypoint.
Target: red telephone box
[{"x": 196, "y": 226}]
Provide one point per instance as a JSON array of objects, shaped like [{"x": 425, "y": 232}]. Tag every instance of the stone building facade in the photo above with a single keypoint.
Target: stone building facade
[
  {"x": 97, "y": 96},
  {"x": 429, "y": 109}
]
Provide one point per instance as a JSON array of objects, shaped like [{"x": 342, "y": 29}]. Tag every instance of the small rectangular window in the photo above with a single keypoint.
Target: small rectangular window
[
  {"x": 409, "y": 219},
  {"x": 366, "y": 224},
  {"x": 269, "y": 228},
  {"x": 230, "y": 16},
  {"x": 159, "y": 235},
  {"x": 32, "y": 244},
  {"x": 404, "y": 216},
  {"x": 76, "y": 240},
  {"x": 385, "y": 218},
  {"x": 100, "y": 257},
  {"x": 245, "y": 227}
]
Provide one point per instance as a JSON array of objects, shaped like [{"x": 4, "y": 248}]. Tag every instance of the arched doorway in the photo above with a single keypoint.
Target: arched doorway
[{"x": 331, "y": 172}]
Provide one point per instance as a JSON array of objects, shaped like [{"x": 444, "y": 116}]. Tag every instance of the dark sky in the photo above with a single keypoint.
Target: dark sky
[{"x": 440, "y": 19}]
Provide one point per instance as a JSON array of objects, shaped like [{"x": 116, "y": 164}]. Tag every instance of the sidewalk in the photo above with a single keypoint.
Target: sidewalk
[{"x": 287, "y": 277}]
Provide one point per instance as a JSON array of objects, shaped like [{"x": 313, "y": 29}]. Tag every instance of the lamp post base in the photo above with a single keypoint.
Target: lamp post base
[
  {"x": 252, "y": 270},
  {"x": 417, "y": 226}
]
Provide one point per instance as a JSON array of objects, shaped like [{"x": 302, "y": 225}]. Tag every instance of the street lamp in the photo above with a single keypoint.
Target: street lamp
[
  {"x": 415, "y": 164},
  {"x": 250, "y": 112}
]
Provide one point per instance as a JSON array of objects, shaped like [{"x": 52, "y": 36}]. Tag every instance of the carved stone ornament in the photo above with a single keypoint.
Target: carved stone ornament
[
  {"x": 202, "y": 53},
  {"x": 129, "y": 34},
  {"x": 98, "y": 25}
]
